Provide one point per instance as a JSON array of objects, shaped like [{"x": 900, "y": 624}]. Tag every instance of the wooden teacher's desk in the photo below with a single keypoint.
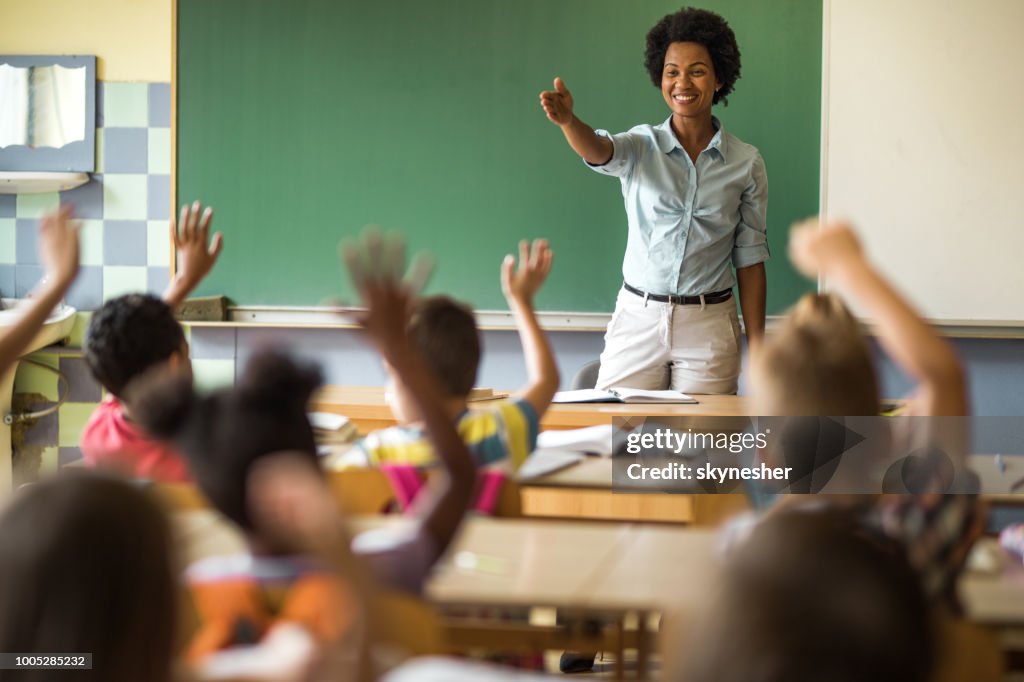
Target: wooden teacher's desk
[{"x": 366, "y": 407}]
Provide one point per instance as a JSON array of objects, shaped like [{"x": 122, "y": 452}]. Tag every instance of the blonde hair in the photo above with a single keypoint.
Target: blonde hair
[{"x": 818, "y": 363}]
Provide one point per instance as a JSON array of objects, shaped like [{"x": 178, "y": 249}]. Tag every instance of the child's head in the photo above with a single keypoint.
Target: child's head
[
  {"x": 225, "y": 433},
  {"x": 704, "y": 35},
  {"x": 817, "y": 364},
  {"x": 130, "y": 335},
  {"x": 86, "y": 566},
  {"x": 445, "y": 334},
  {"x": 813, "y": 596}
]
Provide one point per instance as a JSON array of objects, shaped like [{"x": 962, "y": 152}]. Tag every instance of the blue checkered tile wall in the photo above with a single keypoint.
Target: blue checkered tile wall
[
  {"x": 124, "y": 211},
  {"x": 124, "y": 208}
]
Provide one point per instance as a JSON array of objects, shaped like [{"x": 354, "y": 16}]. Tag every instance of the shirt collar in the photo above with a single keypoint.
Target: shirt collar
[{"x": 667, "y": 139}]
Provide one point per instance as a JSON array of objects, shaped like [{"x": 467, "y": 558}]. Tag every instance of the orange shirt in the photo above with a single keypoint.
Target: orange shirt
[{"x": 239, "y": 599}]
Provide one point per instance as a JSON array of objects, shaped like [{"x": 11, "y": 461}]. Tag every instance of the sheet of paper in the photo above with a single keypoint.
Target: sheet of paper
[
  {"x": 584, "y": 395},
  {"x": 639, "y": 395},
  {"x": 327, "y": 421},
  {"x": 545, "y": 461},
  {"x": 595, "y": 439}
]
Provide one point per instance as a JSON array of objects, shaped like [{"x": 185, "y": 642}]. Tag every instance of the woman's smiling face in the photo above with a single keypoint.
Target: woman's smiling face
[{"x": 688, "y": 81}]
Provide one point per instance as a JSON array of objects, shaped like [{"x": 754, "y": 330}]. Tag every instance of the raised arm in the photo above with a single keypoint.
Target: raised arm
[
  {"x": 289, "y": 500},
  {"x": 557, "y": 104},
  {"x": 375, "y": 266},
  {"x": 196, "y": 253},
  {"x": 58, "y": 251},
  {"x": 832, "y": 250},
  {"x": 520, "y": 286}
]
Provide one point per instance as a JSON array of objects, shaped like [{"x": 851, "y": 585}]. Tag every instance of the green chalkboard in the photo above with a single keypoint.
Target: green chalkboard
[{"x": 303, "y": 120}]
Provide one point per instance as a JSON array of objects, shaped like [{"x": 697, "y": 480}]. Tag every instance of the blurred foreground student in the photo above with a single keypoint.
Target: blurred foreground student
[
  {"x": 85, "y": 567},
  {"x": 58, "y": 252},
  {"x": 819, "y": 363},
  {"x": 226, "y": 434},
  {"x": 132, "y": 334},
  {"x": 812, "y": 597}
]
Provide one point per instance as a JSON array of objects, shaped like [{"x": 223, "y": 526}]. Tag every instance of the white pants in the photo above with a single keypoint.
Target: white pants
[{"x": 688, "y": 348}]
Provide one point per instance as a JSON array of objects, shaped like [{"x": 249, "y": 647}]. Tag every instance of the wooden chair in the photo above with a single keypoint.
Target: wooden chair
[
  {"x": 408, "y": 626},
  {"x": 361, "y": 491},
  {"x": 179, "y": 497}
]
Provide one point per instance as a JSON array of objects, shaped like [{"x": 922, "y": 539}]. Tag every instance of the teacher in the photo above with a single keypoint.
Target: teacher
[{"x": 695, "y": 199}]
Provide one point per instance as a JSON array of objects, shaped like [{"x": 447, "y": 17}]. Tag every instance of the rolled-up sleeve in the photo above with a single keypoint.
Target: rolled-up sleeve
[
  {"x": 623, "y": 155},
  {"x": 750, "y": 245}
]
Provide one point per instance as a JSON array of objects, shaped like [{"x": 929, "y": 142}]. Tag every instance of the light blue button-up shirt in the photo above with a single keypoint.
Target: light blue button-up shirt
[{"x": 688, "y": 223}]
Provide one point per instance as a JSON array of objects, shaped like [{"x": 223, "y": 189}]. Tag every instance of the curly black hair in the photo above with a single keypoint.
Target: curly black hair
[
  {"x": 692, "y": 25},
  {"x": 127, "y": 336},
  {"x": 224, "y": 434}
]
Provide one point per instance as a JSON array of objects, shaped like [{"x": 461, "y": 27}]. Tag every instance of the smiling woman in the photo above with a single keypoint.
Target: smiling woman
[{"x": 695, "y": 199}]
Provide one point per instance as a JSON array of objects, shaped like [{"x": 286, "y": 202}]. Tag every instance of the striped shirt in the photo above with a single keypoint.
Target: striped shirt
[{"x": 505, "y": 430}]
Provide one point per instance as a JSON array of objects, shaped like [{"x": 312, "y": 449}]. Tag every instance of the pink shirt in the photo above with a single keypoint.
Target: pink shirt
[{"x": 110, "y": 441}]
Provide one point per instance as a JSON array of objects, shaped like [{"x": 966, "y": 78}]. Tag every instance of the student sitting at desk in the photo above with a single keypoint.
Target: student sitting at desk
[
  {"x": 129, "y": 336},
  {"x": 445, "y": 334},
  {"x": 819, "y": 363}
]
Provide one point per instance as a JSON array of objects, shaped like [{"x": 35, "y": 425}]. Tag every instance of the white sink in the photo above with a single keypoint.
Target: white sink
[{"x": 57, "y": 326}]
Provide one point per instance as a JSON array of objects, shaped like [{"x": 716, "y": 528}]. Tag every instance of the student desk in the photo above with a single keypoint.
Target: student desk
[
  {"x": 585, "y": 570},
  {"x": 365, "y": 406},
  {"x": 995, "y": 483},
  {"x": 584, "y": 490},
  {"x": 588, "y": 571}
]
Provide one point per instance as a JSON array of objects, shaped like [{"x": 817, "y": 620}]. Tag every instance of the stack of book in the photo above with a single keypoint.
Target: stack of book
[{"x": 332, "y": 429}]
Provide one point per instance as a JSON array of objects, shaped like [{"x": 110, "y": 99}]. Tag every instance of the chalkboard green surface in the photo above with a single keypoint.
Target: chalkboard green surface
[{"x": 301, "y": 121}]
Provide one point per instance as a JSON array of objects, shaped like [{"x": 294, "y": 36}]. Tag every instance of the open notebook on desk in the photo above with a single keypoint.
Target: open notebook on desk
[{"x": 621, "y": 395}]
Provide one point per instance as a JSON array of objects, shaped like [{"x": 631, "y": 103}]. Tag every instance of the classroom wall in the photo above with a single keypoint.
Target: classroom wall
[
  {"x": 131, "y": 38},
  {"x": 124, "y": 209},
  {"x": 995, "y": 366},
  {"x": 125, "y": 248}
]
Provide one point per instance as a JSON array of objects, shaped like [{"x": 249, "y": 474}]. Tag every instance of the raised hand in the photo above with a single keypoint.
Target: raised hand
[
  {"x": 290, "y": 500},
  {"x": 557, "y": 104},
  {"x": 58, "y": 247},
  {"x": 376, "y": 265},
  {"x": 520, "y": 285},
  {"x": 191, "y": 236},
  {"x": 817, "y": 247}
]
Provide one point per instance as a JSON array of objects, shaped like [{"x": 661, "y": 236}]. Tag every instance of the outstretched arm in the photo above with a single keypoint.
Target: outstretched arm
[
  {"x": 375, "y": 266},
  {"x": 196, "y": 253},
  {"x": 557, "y": 104},
  {"x": 832, "y": 250},
  {"x": 520, "y": 286},
  {"x": 58, "y": 251}
]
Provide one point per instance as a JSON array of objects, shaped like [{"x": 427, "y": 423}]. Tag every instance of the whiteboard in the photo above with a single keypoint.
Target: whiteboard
[{"x": 923, "y": 148}]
